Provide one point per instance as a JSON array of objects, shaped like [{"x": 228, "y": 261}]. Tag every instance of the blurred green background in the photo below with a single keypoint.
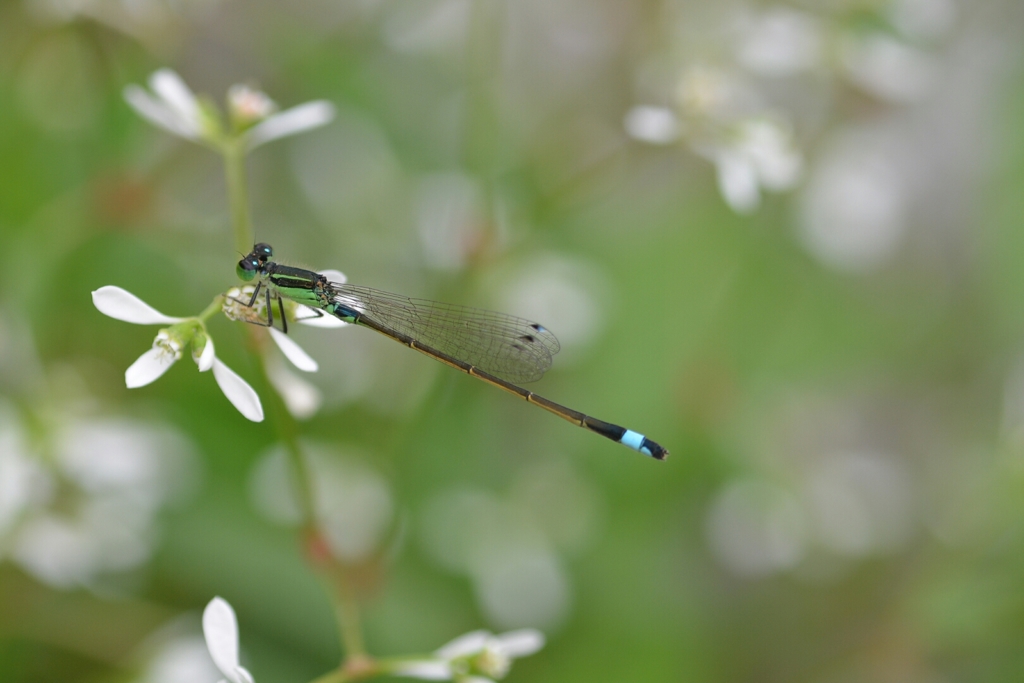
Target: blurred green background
[{"x": 837, "y": 368}]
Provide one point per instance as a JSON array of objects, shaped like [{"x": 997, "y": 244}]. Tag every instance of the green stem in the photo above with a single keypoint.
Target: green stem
[
  {"x": 357, "y": 664},
  {"x": 215, "y": 307},
  {"x": 347, "y": 608},
  {"x": 238, "y": 194}
]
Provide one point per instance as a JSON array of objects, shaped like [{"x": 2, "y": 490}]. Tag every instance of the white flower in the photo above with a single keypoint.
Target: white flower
[
  {"x": 761, "y": 155},
  {"x": 718, "y": 115},
  {"x": 220, "y": 628},
  {"x": 168, "y": 345},
  {"x": 476, "y": 657},
  {"x": 174, "y": 107}
]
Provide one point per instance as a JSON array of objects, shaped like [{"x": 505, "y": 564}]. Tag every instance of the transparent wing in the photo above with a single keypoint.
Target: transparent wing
[{"x": 512, "y": 348}]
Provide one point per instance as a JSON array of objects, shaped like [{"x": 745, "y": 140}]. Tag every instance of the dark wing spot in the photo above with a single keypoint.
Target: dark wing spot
[{"x": 528, "y": 337}]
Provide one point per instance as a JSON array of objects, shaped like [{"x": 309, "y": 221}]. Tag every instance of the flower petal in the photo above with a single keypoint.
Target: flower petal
[
  {"x": 313, "y": 318},
  {"x": 293, "y": 351},
  {"x": 769, "y": 147},
  {"x": 291, "y": 121},
  {"x": 148, "y": 368},
  {"x": 335, "y": 276},
  {"x": 427, "y": 669},
  {"x": 156, "y": 112},
  {"x": 238, "y": 391},
  {"x": 521, "y": 642},
  {"x": 300, "y": 397},
  {"x": 169, "y": 86},
  {"x": 737, "y": 181},
  {"x": 220, "y": 628},
  {"x": 121, "y": 304},
  {"x": 242, "y": 675},
  {"x": 205, "y": 360},
  {"x": 466, "y": 644},
  {"x": 475, "y": 679}
]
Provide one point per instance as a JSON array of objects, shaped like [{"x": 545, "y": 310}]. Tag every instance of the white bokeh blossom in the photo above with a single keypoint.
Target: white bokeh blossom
[
  {"x": 170, "y": 104},
  {"x": 354, "y": 504},
  {"x": 717, "y": 117},
  {"x": 783, "y": 69},
  {"x": 79, "y": 506},
  {"x": 475, "y": 657},
  {"x": 760, "y": 155},
  {"x": 168, "y": 345}
]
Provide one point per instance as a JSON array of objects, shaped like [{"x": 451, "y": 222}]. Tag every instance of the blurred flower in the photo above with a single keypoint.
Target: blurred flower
[
  {"x": 450, "y": 219},
  {"x": 476, "y": 657},
  {"x": 79, "y": 502},
  {"x": 756, "y": 529},
  {"x": 220, "y": 628},
  {"x": 861, "y": 503},
  {"x": 354, "y": 503},
  {"x": 717, "y": 117},
  {"x": 733, "y": 114},
  {"x": 184, "y": 658},
  {"x": 656, "y": 125},
  {"x": 760, "y": 154},
  {"x": 922, "y": 19},
  {"x": 511, "y": 546},
  {"x": 301, "y": 398},
  {"x": 173, "y": 107},
  {"x": 779, "y": 41},
  {"x": 853, "y": 210},
  {"x": 24, "y": 483},
  {"x": 167, "y": 347},
  {"x": 888, "y": 68}
]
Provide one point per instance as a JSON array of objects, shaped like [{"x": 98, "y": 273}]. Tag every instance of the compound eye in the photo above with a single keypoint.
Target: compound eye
[
  {"x": 263, "y": 251},
  {"x": 246, "y": 270}
]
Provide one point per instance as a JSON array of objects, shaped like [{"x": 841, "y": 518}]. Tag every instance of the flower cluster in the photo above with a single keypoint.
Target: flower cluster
[
  {"x": 170, "y": 342},
  {"x": 725, "y": 109},
  {"x": 476, "y": 657},
  {"x": 79, "y": 501}
]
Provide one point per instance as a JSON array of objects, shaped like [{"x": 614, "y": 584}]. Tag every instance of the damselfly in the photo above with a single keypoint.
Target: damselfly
[{"x": 499, "y": 349}]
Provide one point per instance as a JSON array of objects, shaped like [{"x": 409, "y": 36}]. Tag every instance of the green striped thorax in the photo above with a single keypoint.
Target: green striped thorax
[{"x": 297, "y": 285}]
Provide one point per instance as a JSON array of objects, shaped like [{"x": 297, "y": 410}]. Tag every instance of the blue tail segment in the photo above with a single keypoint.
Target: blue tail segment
[
  {"x": 627, "y": 437},
  {"x": 640, "y": 443}
]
